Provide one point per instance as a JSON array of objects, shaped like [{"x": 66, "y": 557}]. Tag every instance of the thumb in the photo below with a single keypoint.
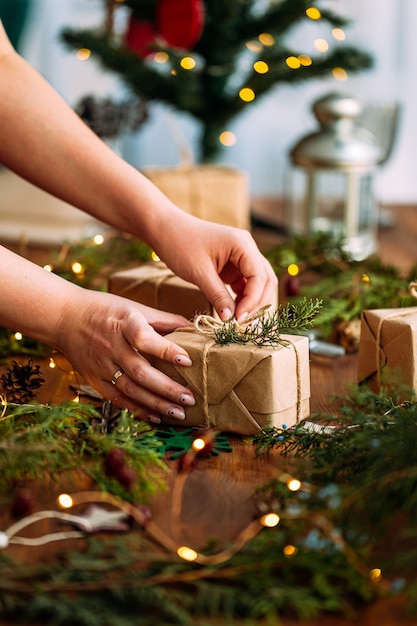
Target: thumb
[{"x": 215, "y": 290}]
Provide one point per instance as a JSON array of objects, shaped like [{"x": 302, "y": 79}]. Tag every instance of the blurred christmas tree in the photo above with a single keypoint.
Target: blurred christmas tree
[{"x": 213, "y": 58}]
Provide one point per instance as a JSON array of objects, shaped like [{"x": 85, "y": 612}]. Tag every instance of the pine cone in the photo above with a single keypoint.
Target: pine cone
[{"x": 20, "y": 382}]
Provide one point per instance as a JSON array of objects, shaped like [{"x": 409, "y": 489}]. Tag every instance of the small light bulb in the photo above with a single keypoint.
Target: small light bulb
[
  {"x": 52, "y": 363},
  {"x": 155, "y": 257},
  {"x": 198, "y": 444},
  {"x": 188, "y": 554},
  {"x": 18, "y": 336},
  {"x": 293, "y": 269},
  {"x": 290, "y": 550},
  {"x": 77, "y": 268},
  {"x": 270, "y": 520},
  {"x": 65, "y": 501},
  {"x": 98, "y": 239},
  {"x": 294, "y": 484},
  {"x": 48, "y": 267},
  {"x": 83, "y": 54}
]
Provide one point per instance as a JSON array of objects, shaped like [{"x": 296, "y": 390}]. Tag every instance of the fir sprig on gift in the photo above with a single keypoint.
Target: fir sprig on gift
[{"x": 268, "y": 328}]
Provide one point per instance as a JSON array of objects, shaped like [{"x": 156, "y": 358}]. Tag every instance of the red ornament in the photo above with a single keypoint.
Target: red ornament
[
  {"x": 140, "y": 36},
  {"x": 181, "y": 22},
  {"x": 292, "y": 286},
  {"x": 126, "y": 476}
]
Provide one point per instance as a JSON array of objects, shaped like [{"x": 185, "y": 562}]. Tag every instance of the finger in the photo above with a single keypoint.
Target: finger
[
  {"x": 135, "y": 394},
  {"x": 147, "y": 340},
  {"x": 260, "y": 290}
]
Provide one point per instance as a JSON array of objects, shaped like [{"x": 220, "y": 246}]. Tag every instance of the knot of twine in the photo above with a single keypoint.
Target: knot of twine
[
  {"x": 209, "y": 325},
  {"x": 412, "y": 287}
]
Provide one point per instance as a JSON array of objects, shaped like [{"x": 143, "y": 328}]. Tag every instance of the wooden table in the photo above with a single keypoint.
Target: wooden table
[{"x": 221, "y": 488}]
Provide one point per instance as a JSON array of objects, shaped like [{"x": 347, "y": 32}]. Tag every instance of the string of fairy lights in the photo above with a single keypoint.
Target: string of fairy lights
[
  {"x": 188, "y": 62},
  {"x": 267, "y": 520}
]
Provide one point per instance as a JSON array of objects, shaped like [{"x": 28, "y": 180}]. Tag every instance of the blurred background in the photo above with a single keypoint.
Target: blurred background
[{"x": 265, "y": 131}]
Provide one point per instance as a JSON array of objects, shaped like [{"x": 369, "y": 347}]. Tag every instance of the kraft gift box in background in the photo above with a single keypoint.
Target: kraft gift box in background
[
  {"x": 212, "y": 192},
  {"x": 242, "y": 388},
  {"x": 155, "y": 285},
  {"x": 388, "y": 350}
]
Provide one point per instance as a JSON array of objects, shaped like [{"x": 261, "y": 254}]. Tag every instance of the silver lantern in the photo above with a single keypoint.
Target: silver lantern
[{"x": 333, "y": 178}]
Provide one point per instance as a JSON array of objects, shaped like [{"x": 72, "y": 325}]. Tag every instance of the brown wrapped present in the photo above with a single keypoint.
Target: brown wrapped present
[
  {"x": 242, "y": 388},
  {"x": 157, "y": 286},
  {"x": 388, "y": 349},
  {"x": 212, "y": 192}
]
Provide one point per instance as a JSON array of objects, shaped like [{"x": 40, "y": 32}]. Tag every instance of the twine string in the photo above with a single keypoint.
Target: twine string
[{"x": 208, "y": 325}]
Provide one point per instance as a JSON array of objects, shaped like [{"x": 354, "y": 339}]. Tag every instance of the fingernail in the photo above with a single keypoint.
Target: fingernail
[
  {"x": 226, "y": 314},
  {"x": 187, "y": 399},
  {"x": 179, "y": 414},
  {"x": 155, "y": 419},
  {"x": 243, "y": 317},
  {"x": 181, "y": 359}
]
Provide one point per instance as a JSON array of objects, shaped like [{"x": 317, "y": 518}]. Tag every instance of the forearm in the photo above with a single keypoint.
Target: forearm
[
  {"x": 33, "y": 301},
  {"x": 45, "y": 142}
]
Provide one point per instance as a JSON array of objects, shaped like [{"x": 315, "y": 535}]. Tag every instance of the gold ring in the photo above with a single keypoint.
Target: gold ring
[{"x": 116, "y": 376}]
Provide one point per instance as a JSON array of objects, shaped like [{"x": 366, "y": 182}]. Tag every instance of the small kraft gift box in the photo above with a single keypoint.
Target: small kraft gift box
[
  {"x": 388, "y": 350},
  {"x": 157, "y": 286},
  {"x": 216, "y": 193},
  {"x": 241, "y": 388}
]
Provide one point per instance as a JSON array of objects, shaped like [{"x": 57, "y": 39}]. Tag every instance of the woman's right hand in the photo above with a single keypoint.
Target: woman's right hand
[{"x": 102, "y": 334}]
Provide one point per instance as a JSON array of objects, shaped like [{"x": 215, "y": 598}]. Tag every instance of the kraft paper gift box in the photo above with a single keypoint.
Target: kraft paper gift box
[
  {"x": 388, "y": 349},
  {"x": 216, "y": 193},
  {"x": 242, "y": 388},
  {"x": 157, "y": 286}
]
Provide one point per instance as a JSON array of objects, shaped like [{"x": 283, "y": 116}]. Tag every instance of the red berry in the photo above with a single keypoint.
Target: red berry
[
  {"x": 126, "y": 476},
  {"x": 292, "y": 286},
  {"x": 22, "y": 505},
  {"x": 114, "y": 462}
]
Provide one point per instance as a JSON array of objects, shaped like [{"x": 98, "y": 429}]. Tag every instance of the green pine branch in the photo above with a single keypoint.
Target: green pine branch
[{"x": 206, "y": 93}]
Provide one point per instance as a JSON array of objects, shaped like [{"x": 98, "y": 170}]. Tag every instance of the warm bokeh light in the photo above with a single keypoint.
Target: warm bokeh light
[
  {"x": 339, "y": 74},
  {"x": 83, "y": 54},
  {"x": 48, "y": 267},
  {"x": 154, "y": 256},
  {"x": 313, "y": 13},
  {"x": 261, "y": 67},
  {"x": 293, "y": 63},
  {"x": 270, "y": 520},
  {"x": 254, "y": 46},
  {"x": 339, "y": 34},
  {"x": 375, "y": 574},
  {"x": 198, "y": 444},
  {"x": 77, "y": 268},
  {"x": 290, "y": 550},
  {"x": 160, "y": 57},
  {"x": 188, "y": 63},
  {"x": 18, "y": 336},
  {"x": 293, "y": 269},
  {"x": 294, "y": 484},
  {"x": 98, "y": 239},
  {"x": 227, "y": 138},
  {"x": 321, "y": 45},
  {"x": 305, "y": 60},
  {"x": 65, "y": 501},
  {"x": 266, "y": 39},
  {"x": 246, "y": 94},
  {"x": 52, "y": 363},
  {"x": 188, "y": 554}
]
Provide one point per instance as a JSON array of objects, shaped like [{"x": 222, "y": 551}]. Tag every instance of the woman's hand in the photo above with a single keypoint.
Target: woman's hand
[
  {"x": 211, "y": 255},
  {"x": 102, "y": 334}
]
